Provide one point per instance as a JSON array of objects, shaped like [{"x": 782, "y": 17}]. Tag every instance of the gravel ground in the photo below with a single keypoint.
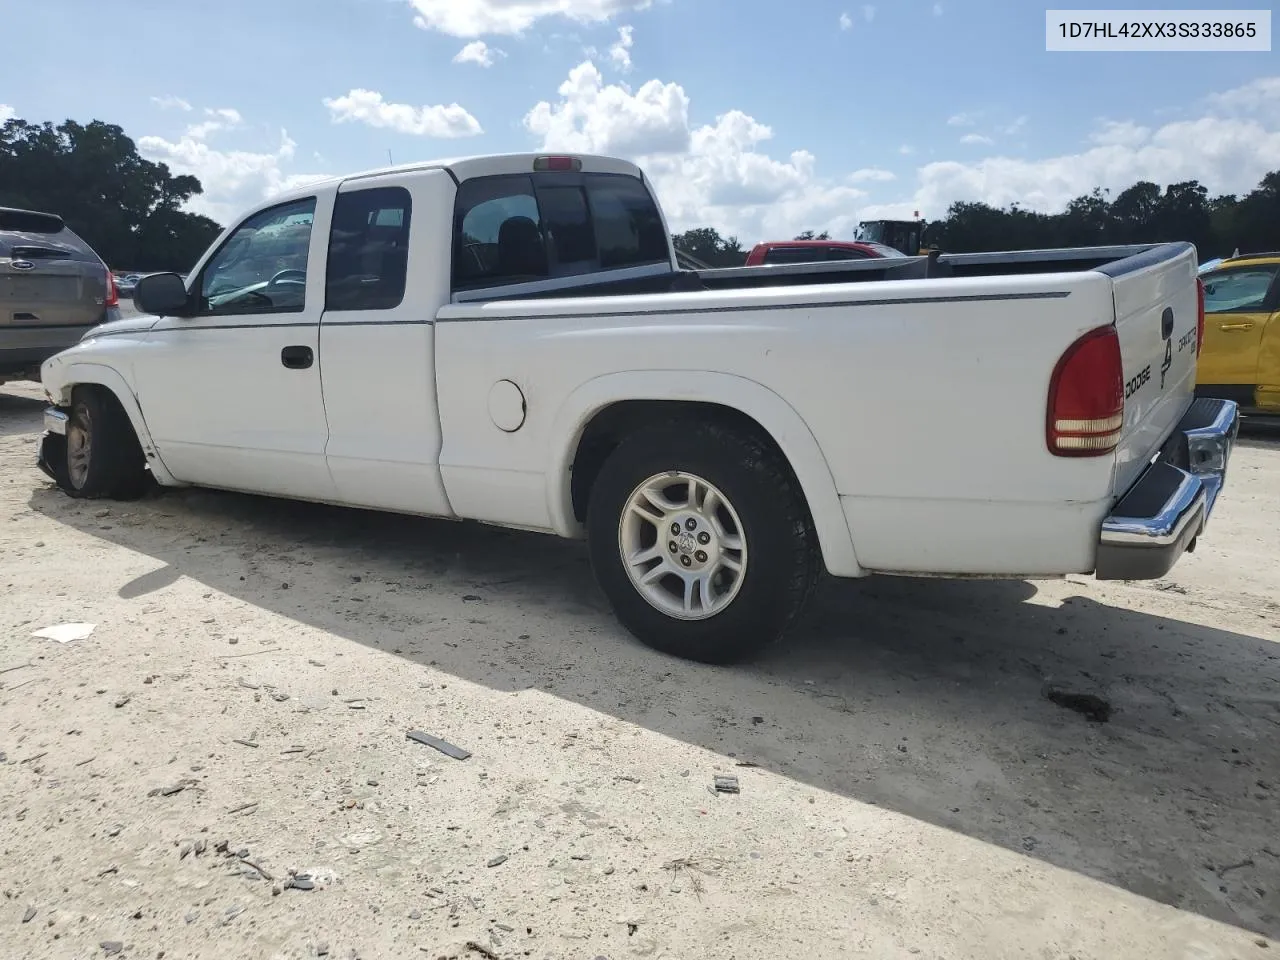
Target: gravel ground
[{"x": 222, "y": 770}]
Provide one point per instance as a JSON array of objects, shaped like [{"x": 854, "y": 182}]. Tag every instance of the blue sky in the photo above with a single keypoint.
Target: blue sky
[{"x": 757, "y": 117}]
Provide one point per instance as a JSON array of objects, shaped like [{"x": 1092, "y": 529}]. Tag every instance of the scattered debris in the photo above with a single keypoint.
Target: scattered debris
[
  {"x": 251, "y": 653},
  {"x": 35, "y": 758},
  {"x": 448, "y": 749},
  {"x": 109, "y": 871},
  {"x": 279, "y": 697},
  {"x": 169, "y": 791},
  {"x": 470, "y": 598},
  {"x": 21, "y": 666},
  {"x": 498, "y": 861},
  {"x": 245, "y": 743},
  {"x": 243, "y": 808},
  {"x": 742, "y": 763},
  {"x": 65, "y": 632},
  {"x": 726, "y": 784},
  {"x": 29, "y": 915},
  {"x": 122, "y": 701},
  {"x": 1223, "y": 871},
  {"x": 1092, "y": 708},
  {"x": 111, "y": 947},
  {"x": 482, "y": 950},
  {"x": 249, "y": 863}
]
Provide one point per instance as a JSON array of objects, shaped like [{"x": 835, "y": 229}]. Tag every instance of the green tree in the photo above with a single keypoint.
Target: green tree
[
  {"x": 810, "y": 235},
  {"x": 127, "y": 208},
  {"x": 707, "y": 245}
]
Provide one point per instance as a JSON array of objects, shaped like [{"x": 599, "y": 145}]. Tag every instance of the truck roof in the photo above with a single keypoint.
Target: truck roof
[{"x": 468, "y": 168}]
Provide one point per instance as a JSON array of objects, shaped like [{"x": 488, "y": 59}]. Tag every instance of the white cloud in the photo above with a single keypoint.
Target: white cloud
[
  {"x": 716, "y": 173},
  {"x": 620, "y": 52},
  {"x": 368, "y": 107},
  {"x": 868, "y": 12},
  {"x": 937, "y": 9},
  {"x": 846, "y": 22},
  {"x": 227, "y": 114},
  {"x": 233, "y": 180},
  {"x": 1015, "y": 127},
  {"x": 871, "y": 174},
  {"x": 7, "y": 112},
  {"x": 1123, "y": 133},
  {"x": 972, "y": 139},
  {"x": 906, "y": 150},
  {"x": 222, "y": 118},
  {"x": 961, "y": 120},
  {"x": 171, "y": 103},
  {"x": 479, "y": 53},
  {"x": 476, "y": 18},
  {"x": 593, "y": 117},
  {"x": 1257, "y": 96},
  {"x": 1227, "y": 154}
]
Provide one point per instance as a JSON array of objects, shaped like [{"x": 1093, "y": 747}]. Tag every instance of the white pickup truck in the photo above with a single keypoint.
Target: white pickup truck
[{"x": 509, "y": 339}]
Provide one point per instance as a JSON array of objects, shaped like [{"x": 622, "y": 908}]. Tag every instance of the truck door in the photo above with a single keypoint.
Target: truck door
[
  {"x": 387, "y": 275},
  {"x": 231, "y": 392},
  {"x": 1237, "y": 304}
]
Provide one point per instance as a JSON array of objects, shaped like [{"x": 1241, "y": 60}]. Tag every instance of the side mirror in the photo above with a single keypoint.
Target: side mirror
[{"x": 161, "y": 294}]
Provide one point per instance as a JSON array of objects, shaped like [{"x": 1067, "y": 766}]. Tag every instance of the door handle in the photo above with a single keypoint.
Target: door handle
[
  {"x": 1228, "y": 327},
  {"x": 297, "y": 358}
]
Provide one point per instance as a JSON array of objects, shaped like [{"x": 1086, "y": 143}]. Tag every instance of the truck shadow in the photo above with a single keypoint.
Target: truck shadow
[
  {"x": 19, "y": 413},
  {"x": 924, "y": 697}
]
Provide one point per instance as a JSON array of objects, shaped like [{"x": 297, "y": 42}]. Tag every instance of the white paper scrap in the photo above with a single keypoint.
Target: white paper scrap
[{"x": 66, "y": 632}]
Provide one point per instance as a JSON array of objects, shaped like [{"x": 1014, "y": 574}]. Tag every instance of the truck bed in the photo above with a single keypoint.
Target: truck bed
[{"x": 1113, "y": 261}]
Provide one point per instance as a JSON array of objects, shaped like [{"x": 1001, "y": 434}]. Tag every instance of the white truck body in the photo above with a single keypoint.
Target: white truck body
[{"x": 910, "y": 412}]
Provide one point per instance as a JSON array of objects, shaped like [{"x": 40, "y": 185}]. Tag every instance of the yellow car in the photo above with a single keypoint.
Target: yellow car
[{"x": 1240, "y": 358}]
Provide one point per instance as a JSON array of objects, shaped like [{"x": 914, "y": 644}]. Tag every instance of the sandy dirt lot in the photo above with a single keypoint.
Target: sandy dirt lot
[{"x": 238, "y": 719}]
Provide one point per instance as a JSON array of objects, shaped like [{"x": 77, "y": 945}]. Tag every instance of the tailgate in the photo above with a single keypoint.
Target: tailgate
[{"x": 1157, "y": 307}]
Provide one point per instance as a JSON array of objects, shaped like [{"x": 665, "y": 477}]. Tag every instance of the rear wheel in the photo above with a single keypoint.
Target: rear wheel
[
  {"x": 103, "y": 456},
  {"x": 701, "y": 540}
]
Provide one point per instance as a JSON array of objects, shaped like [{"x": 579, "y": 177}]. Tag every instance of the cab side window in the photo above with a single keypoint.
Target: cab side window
[
  {"x": 368, "y": 250},
  {"x": 262, "y": 267},
  {"x": 497, "y": 233},
  {"x": 1239, "y": 290}
]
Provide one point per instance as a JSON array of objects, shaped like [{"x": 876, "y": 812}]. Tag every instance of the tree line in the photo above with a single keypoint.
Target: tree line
[
  {"x": 131, "y": 209},
  {"x": 127, "y": 208},
  {"x": 1143, "y": 213}
]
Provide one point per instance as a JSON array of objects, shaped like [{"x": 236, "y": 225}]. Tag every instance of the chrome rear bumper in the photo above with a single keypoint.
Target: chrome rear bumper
[{"x": 1161, "y": 515}]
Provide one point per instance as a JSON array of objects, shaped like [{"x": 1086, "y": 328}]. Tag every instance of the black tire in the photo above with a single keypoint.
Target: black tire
[
  {"x": 114, "y": 466},
  {"x": 782, "y": 563}
]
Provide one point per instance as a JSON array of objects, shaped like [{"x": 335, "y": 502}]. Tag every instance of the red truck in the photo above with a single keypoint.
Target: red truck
[{"x": 817, "y": 251}]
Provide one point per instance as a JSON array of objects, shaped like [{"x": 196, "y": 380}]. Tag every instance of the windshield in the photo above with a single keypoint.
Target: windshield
[{"x": 872, "y": 232}]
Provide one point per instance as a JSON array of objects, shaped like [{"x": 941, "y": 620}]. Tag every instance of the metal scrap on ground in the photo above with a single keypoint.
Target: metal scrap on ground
[{"x": 448, "y": 749}]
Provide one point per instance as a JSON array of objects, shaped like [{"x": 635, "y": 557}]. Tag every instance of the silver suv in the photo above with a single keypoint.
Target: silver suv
[{"x": 53, "y": 288}]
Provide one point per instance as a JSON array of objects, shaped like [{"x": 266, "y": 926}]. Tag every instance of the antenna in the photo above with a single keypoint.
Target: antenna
[{"x": 390, "y": 162}]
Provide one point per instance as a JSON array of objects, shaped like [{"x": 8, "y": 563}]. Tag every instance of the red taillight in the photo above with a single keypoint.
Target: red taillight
[
  {"x": 113, "y": 295},
  {"x": 1199, "y": 316},
  {"x": 1086, "y": 397},
  {"x": 543, "y": 164}
]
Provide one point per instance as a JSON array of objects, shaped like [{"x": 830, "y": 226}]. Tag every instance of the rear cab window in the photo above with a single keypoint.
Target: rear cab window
[{"x": 530, "y": 227}]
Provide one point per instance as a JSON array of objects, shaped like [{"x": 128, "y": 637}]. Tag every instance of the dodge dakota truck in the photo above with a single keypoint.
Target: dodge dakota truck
[{"x": 510, "y": 340}]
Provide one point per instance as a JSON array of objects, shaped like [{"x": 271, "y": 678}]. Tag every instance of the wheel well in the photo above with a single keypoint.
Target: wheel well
[
  {"x": 108, "y": 396},
  {"x": 611, "y": 425}
]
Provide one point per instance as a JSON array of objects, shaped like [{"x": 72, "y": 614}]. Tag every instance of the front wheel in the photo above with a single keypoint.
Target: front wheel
[
  {"x": 103, "y": 456},
  {"x": 701, "y": 540}
]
